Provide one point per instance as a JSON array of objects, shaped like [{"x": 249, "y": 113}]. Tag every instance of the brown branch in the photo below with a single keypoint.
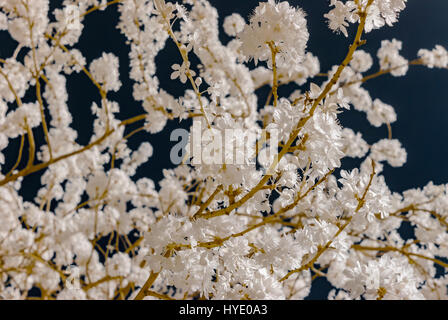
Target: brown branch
[
  {"x": 274, "y": 51},
  {"x": 208, "y": 201},
  {"x": 400, "y": 250},
  {"x": 361, "y": 202},
  {"x": 44, "y": 165},
  {"x": 149, "y": 282}
]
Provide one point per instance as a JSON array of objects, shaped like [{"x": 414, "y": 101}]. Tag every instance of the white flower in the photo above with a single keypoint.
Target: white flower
[
  {"x": 105, "y": 71},
  {"x": 26, "y": 14},
  {"x": 389, "y": 150},
  {"x": 361, "y": 61},
  {"x": 383, "y": 12},
  {"x": 118, "y": 265},
  {"x": 285, "y": 117},
  {"x": 233, "y": 24},
  {"x": 374, "y": 19},
  {"x": 437, "y": 57},
  {"x": 340, "y": 16},
  {"x": 354, "y": 144},
  {"x": 16, "y": 121},
  {"x": 182, "y": 72},
  {"x": 276, "y": 23},
  {"x": 390, "y": 58},
  {"x": 391, "y": 273},
  {"x": 381, "y": 113},
  {"x": 390, "y": 9},
  {"x": 324, "y": 145}
]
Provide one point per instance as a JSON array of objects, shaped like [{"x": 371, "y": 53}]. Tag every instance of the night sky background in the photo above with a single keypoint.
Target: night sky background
[{"x": 420, "y": 98}]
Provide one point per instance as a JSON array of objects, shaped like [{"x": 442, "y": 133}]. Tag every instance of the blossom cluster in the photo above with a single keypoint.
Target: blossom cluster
[{"x": 209, "y": 230}]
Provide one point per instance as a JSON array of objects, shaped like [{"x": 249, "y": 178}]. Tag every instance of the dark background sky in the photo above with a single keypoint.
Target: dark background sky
[{"x": 420, "y": 99}]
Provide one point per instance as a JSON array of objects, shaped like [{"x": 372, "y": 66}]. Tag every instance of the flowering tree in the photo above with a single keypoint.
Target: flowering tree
[{"x": 221, "y": 225}]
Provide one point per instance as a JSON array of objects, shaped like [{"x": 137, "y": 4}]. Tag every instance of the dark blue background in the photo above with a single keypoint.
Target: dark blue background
[{"x": 420, "y": 98}]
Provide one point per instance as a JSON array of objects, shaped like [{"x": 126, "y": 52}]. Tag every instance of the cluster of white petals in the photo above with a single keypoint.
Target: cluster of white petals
[
  {"x": 277, "y": 23},
  {"x": 234, "y": 24},
  {"x": 105, "y": 71},
  {"x": 435, "y": 58},
  {"x": 390, "y": 58},
  {"x": 97, "y": 228},
  {"x": 379, "y": 13}
]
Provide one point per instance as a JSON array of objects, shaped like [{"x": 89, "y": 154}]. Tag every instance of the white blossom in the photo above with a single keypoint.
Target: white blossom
[
  {"x": 389, "y": 150},
  {"x": 182, "y": 72},
  {"x": 390, "y": 58},
  {"x": 361, "y": 61},
  {"x": 276, "y": 23},
  {"x": 340, "y": 16},
  {"x": 105, "y": 71},
  {"x": 233, "y": 24},
  {"x": 438, "y": 57},
  {"x": 381, "y": 113}
]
